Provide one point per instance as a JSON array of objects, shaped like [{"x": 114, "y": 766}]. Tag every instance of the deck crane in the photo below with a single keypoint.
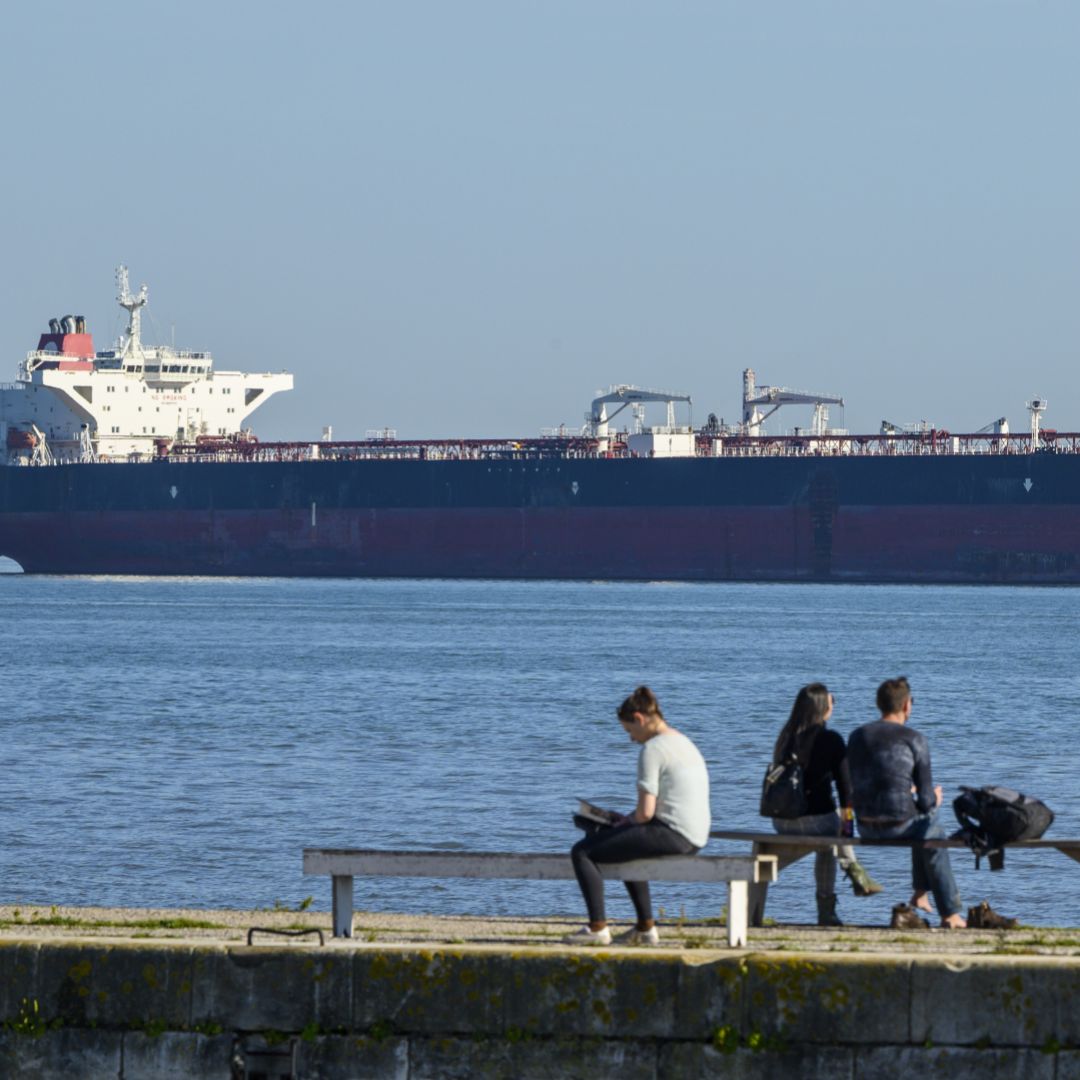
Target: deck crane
[
  {"x": 1000, "y": 426},
  {"x": 598, "y": 417},
  {"x": 775, "y": 396}
]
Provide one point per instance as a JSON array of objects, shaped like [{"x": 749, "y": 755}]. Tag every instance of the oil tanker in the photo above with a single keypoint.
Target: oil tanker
[{"x": 137, "y": 460}]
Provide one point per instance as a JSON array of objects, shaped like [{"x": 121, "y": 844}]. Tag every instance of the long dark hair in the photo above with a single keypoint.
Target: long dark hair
[{"x": 809, "y": 710}]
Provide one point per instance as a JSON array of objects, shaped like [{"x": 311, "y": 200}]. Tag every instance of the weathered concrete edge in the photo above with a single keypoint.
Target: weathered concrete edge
[{"x": 731, "y": 999}]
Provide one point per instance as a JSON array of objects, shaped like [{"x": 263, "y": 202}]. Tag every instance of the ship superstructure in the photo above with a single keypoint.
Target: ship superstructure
[{"x": 130, "y": 403}]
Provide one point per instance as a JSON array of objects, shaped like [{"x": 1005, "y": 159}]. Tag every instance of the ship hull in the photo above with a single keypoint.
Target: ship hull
[{"x": 950, "y": 518}]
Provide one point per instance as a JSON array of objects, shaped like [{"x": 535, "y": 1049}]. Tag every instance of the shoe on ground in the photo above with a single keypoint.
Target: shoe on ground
[
  {"x": 862, "y": 884},
  {"x": 984, "y": 917},
  {"x": 634, "y": 936},
  {"x": 585, "y": 936},
  {"x": 905, "y": 917}
]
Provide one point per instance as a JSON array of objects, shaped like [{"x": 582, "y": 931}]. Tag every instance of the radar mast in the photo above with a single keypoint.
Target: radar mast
[{"x": 131, "y": 343}]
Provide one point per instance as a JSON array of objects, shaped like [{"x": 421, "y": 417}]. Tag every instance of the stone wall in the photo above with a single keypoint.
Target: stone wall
[{"x": 128, "y": 1010}]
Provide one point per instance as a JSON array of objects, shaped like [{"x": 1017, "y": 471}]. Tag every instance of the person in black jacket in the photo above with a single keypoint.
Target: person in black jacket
[
  {"x": 895, "y": 797},
  {"x": 823, "y": 757}
]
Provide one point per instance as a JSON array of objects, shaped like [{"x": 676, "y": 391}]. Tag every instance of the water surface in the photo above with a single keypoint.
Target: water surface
[{"x": 177, "y": 742}]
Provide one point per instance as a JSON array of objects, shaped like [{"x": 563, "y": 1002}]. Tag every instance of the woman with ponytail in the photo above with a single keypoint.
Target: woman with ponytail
[
  {"x": 671, "y": 818},
  {"x": 823, "y": 757}
]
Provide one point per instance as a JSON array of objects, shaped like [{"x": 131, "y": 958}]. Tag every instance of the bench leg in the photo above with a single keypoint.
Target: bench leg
[
  {"x": 736, "y": 913},
  {"x": 343, "y": 906},
  {"x": 759, "y": 893}
]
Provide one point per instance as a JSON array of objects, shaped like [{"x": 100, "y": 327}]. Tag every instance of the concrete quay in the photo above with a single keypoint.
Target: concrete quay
[{"x": 93, "y": 993}]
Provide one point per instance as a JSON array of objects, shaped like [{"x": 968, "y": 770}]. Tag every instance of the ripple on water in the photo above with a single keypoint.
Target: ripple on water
[{"x": 178, "y": 741}]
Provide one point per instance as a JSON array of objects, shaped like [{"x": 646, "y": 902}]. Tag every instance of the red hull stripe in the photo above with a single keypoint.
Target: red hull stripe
[{"x": 894, "y": 543}]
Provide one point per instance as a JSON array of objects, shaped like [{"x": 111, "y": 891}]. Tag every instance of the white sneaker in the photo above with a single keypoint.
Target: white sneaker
[
  {"x": 585, "y": 936},
  {"x": 634, "y": 936}
]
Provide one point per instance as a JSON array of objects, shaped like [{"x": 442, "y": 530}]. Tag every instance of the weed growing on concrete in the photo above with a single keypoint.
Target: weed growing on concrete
[
  {"x": 727, "y": 1040},
  {"x": 172, "y": 924},
  {"x": 29, "y": 1020},
  {"x": 55, "y": 919},
  {"x": 695, "y": 941},
  {"x": 381, "y": 1030},
  {"x": 208, "y": 1027},
  {"x": 153, "y": 1029}
]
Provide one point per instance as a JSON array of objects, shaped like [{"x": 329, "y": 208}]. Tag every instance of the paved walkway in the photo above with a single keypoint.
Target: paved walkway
[{"x": 190, "y": 925}]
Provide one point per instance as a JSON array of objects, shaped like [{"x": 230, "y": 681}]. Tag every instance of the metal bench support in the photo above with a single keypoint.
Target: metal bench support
[{"x": 343, "y": 905}]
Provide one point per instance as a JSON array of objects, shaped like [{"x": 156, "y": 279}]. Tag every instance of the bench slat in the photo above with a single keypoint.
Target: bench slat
[
  {"x": 790, "y": 840},
  {"x": 351, "y": 862}
]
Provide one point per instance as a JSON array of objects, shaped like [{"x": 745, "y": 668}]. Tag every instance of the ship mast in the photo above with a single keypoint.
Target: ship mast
[{"x": 131, "y": 344}]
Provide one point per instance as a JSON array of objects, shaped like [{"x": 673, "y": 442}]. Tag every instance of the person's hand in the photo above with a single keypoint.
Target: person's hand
[{"x": 938, "y": 794}]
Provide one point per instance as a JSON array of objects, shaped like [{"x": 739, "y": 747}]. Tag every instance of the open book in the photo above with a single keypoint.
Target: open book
[{"x": 591, "y": 812}]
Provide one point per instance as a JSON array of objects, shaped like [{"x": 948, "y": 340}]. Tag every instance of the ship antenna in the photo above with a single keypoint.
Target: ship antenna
[{"x": 132, "y": 344}]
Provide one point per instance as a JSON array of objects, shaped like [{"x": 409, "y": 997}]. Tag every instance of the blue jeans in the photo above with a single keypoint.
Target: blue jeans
[
  {"x": 825, "y": 859},
  {"x": 931, "y": 870}
]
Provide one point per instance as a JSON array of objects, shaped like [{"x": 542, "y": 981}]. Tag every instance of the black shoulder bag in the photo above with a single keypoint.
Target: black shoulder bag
[{"x": 783, "y": 793}]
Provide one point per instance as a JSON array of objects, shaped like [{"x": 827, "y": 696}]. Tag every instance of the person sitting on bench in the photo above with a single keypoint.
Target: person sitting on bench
[
  {"x": 823, "y": 757},
  {"x": 895, "y": 797},
  {"x": 672, "y": 818}
]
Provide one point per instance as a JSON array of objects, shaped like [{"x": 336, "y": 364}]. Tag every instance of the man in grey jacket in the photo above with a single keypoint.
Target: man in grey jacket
[{"x": 895, "y": 798}]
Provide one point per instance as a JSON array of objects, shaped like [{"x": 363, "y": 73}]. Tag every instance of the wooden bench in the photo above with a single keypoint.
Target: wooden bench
[
  {"x": 344, "y": 864},
  {"x": 789, "y": 848}
]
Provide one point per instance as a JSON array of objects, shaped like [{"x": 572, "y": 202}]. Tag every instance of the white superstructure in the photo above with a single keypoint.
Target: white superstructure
[{"x": 70, "y": 403}]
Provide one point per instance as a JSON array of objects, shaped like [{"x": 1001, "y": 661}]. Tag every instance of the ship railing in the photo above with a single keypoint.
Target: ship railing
[
  {"x": 908, "y": 444},
  {"x": 920, "y": 444}
]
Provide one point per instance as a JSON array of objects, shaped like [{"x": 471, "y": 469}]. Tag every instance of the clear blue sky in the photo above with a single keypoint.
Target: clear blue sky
[{"x": 464, "y": 218}]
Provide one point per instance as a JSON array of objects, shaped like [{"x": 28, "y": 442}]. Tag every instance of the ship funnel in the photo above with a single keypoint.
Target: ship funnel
[
  {"x": 68, "y": 323},
  {"x": 80, "y": 324},
  {"x": 54, "y": 326}
]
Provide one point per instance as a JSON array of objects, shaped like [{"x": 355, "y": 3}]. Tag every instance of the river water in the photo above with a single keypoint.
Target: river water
[{"x": 177, "y": 742}]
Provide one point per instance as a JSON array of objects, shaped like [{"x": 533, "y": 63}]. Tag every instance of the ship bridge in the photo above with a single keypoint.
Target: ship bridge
[{"x": 125, "y": 403}]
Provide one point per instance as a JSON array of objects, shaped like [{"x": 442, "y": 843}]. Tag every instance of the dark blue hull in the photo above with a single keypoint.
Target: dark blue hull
[{"x": 962, "y": 517}]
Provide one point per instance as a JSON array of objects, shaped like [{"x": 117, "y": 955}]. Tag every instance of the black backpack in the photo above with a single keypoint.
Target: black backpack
[{"x": 992, "y": 816}]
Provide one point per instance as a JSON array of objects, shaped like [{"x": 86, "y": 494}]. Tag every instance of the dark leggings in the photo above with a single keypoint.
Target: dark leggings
[{"x": 621, "y": 844}]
